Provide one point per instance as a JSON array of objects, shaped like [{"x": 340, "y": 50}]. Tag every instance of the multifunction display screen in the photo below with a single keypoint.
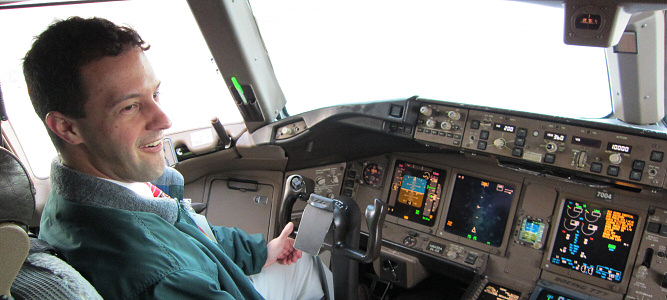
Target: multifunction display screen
[
  {"x": 593, "y": 240},
  {"x": 415, "y": 192},
  {"x": 532, "y": 231},
  {"x": 494, "y": 291},
  {"x": 479, "y": 209}
]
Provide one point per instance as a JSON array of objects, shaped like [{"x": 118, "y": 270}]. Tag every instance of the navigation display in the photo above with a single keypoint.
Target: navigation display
[
  {"x": 593, "y": 240},
  {"x": 479, "y": 209},
  {"x": 494, "y": 291},
  {"x": 415, "y": 192}
]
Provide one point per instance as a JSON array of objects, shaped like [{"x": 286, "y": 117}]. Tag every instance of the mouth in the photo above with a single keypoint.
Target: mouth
[{"x": 156, "y": 145}]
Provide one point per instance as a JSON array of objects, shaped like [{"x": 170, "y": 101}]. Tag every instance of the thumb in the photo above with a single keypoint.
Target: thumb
[{"x": 287, "y": 230}]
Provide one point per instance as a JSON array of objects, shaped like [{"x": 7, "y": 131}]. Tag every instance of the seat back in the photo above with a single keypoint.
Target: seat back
[
  {"x": 30, "y": 268},
  {"x": 17, "y": 203}
]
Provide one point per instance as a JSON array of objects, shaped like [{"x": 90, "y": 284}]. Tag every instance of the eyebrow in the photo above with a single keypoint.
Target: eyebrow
[{"x": 114, "y": 103}]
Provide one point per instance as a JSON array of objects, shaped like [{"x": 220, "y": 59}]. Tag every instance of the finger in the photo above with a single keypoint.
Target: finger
[{"x": 287, "y": 230}]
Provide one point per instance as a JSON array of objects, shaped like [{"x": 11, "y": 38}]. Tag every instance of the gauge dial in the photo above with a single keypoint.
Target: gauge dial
[{"x": 372, "y": 174}]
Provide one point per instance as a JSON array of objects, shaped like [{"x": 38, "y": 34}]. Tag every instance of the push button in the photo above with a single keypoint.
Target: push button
[
  {"x": 518, "y": 152},
  {"x": 635, "y": 175},
  {"x": 638, "y": 165},
  {"x": 613, "y": 171},
  {"x": 549, "y": 158},
  {"x": 520, "y": 142},
  {"x": 481, "y": 145},
  {"x": 653, "y": 227},
  {"x": 483, "y": 135},
  {"x": 393, "y": 126},
  {"x": 474, "y": 124},
  {"x": 522, "y": 132},
  {"x": 596, "y": 167},
  {"x": 396, "y": 111},
  {"x": 663, "y": 230},
  {"x": 471, "y": 258},
  {"x": 657, "y": 156}
]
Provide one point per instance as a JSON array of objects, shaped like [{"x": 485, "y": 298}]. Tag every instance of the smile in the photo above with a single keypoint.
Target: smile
[{"x": 153, "y": 144}]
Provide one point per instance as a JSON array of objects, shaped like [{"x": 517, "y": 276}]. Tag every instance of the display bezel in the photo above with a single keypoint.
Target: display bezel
[
  {"x": 509, "y": 226},
  {"x": 573, "y": 274},
  {"x": 520, "y": 228},
  {"x": 445, "y": 188}
]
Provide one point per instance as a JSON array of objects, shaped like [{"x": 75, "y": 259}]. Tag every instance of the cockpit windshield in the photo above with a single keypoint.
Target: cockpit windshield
[{"x": 485, "y": 52}]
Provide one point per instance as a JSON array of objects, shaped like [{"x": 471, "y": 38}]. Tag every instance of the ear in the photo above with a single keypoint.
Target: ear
[{"x": 64, "y": 127}]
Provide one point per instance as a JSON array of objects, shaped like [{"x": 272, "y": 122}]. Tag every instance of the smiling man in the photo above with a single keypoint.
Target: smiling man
[{"x": 96, "y": 92}]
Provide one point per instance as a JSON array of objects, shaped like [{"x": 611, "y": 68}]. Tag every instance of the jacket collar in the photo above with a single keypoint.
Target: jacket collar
[{"x": 81, "y": 188}]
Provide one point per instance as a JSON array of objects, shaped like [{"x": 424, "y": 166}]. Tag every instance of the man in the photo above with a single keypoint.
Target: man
[{"x": 94, "y": 89}]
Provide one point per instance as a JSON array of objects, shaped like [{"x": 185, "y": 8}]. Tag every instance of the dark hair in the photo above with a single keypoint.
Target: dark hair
[{"x": 52, "y": 66}]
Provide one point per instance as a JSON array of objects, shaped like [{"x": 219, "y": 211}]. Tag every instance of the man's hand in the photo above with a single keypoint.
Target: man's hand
[{"x": 281, "y": 249}]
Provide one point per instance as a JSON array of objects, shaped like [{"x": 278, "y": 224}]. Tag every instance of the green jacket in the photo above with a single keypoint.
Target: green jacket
[{"x": 132, "y": 247}]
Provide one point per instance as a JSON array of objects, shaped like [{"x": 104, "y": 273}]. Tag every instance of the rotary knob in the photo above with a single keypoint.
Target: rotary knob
[
  {"x": 642, "y": 272},
  {"x": 454, "y": 115},
  {"x": 451, "y": 254},
  {"x": 499, "y": 143},
  {"x": 425, "y": 110},
  {"x": 551, "y": 147},
  {"x": 430, "y": 123},
  {"x": 446, "y": 125},
  {"x": 615, "y": 158}
]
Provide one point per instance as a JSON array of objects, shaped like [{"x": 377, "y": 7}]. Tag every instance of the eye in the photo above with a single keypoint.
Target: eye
[
  {"x": 130, "y": 107},
  {"x": 156, "y": 94}
]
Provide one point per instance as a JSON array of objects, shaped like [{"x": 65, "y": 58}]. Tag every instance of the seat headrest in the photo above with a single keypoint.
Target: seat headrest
[{"x": 17, "y": 197}]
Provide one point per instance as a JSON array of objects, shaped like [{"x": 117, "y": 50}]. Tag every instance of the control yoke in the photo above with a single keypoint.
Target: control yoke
[
  {"x": 296, "y": 187},
  {"x": 345, "y": 252},
  {"x": 346, "y": 220}
]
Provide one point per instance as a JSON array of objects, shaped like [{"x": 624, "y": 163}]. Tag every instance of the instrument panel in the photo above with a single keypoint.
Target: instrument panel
[
  {"x": 515, "y": 231},
  {"x": 520, "y": 206}
]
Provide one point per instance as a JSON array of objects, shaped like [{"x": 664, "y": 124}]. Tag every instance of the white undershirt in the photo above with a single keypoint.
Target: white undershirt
[{"x": 141, "y": 188}]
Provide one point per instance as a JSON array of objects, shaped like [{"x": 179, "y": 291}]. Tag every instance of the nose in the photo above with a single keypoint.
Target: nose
[{"x": 158, "y": 119}]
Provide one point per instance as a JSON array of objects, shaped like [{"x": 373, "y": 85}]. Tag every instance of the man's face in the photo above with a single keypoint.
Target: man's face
[{"x": 123, "y": 129}]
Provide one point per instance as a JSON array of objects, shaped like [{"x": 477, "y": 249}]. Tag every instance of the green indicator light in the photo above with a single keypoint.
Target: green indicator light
[
  {"x": 238, "y": 87},
  {"x": 470, "y": 236},
  {"x": 474, "y": 238},
  {"x": 612, "y": 247},
  {"x": 416, "y": 212}
]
